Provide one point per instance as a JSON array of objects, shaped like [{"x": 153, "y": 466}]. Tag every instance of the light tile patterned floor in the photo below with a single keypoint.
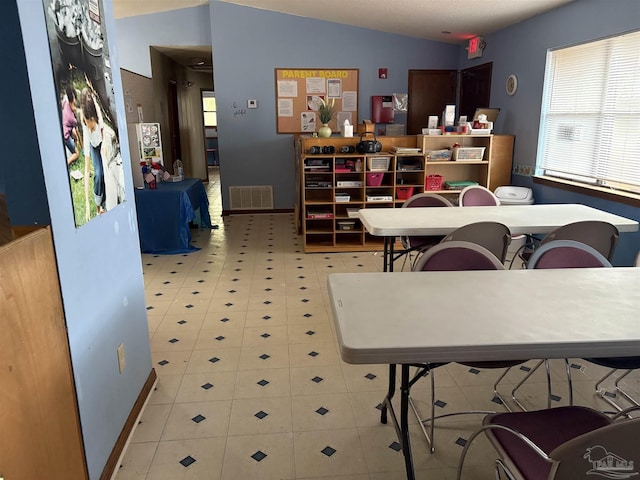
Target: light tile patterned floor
[{"x": 250, "y": 382}]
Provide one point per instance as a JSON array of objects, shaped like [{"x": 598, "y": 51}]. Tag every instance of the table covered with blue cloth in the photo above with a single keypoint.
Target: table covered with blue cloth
[{"x": 164, "y": 215}]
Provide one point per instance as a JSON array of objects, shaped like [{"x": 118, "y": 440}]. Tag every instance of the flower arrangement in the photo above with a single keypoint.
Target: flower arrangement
[{"x": 326, "y": 110}]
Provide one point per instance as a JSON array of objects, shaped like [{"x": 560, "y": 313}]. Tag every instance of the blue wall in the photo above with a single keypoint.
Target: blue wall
[
  {"x": 521, "y": 50},
  {"x": 134, "y": 35},
  {"x": 99, "y": 264},
  {"x": 21, "y": 176},
  {"x": 249, "y": 43}
]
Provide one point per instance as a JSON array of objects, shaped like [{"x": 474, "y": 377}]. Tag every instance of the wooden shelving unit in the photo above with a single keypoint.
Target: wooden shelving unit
[{"x": 330, "y": 189}]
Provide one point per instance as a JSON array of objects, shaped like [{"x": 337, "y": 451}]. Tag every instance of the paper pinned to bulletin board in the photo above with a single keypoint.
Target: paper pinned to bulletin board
[{"x": 299, "y": 92}]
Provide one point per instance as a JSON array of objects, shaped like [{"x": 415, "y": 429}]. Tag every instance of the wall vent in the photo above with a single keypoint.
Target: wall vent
[{"x": 258, "y": 197}]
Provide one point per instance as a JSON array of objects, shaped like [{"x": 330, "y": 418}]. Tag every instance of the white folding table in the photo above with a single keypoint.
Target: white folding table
[
  {"x": 521, "y": 219},
  {"x": 397, "y": 318}
]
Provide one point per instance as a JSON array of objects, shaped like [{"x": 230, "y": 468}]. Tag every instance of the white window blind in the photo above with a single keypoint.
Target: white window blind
[{"x": 590, "y": 125}]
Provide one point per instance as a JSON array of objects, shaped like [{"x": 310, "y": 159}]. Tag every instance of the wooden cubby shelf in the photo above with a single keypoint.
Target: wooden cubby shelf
[{"x": 331, "y": 187}]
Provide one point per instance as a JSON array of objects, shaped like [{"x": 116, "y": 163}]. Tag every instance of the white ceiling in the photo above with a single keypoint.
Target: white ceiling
[{"x": 427, "y": 19}]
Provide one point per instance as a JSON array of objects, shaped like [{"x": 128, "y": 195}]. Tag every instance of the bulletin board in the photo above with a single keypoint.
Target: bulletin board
[{"x": 298, "y": 95}]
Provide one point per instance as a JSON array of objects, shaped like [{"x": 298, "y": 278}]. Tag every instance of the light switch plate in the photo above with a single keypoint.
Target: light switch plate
[{"x": 252, "y": 103}]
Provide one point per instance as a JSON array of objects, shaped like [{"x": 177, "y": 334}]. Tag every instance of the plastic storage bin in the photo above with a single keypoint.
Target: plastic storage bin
[
  {"x": 439, "y": 155},
  {"x": 468, "y": 154},
  {"x": 403, "y": 193},
  {"x": 377, "y": 164},
  {"x": 433, "y": 182},
  {"x": 346, "y": 224},
  {"x": 512, "y": 195},
  {"x": 374, "y": 179}
]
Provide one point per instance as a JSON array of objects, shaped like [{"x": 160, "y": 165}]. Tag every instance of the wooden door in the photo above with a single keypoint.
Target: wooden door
[
  {"x": 429, "y": 92},
  {"x": 475, "y": 89},
  {"x": 39, "y": 422}
]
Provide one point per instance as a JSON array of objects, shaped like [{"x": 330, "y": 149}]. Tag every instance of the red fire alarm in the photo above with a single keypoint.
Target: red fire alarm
[{"x": 382, "y": 73}]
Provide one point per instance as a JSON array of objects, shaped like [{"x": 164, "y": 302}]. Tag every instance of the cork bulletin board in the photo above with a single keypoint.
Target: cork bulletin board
[{"x": 298, "y": 95}]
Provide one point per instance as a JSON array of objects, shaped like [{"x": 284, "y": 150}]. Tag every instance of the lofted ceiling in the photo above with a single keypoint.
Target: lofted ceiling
[{"x": 450, "y": 21}]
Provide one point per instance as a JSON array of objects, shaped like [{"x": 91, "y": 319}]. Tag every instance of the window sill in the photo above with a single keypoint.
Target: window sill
[{"x": 619, "y": 196}]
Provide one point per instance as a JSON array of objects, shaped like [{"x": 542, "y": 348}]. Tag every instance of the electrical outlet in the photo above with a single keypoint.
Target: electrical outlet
[{"x": 121, "y": 361}]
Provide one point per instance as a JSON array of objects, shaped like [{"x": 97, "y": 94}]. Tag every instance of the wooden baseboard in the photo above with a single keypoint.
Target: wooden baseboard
[
  {"x": 112, "y": 461},
  {"x": 253, "y": 212}
]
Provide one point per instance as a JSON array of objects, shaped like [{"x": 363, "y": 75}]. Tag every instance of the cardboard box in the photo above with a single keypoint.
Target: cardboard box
[{"x": 366, "y": 127}]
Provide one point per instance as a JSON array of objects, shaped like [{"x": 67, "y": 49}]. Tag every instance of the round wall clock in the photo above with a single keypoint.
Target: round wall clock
[{"x": 512, "y": 84}]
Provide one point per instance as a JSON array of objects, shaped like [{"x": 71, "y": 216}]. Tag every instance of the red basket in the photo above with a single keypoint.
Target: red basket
[
  {"x": 433, "y": 182},
  {"x": 374, "y": 179},
  {"x": 403, "y": 193}
]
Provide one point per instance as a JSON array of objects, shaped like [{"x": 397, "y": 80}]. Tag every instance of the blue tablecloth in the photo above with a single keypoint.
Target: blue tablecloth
[{"x": 164, "y": 214}]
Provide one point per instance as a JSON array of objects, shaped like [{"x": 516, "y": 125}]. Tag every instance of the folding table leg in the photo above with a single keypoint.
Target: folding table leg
[
  {"x": 402, "y": 427},
  {"x": 390, "y": 393},
  {"x": 404, "y": 422}
]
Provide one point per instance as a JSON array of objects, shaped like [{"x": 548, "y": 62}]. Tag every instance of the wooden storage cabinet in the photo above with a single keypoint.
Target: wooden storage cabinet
[
  {"x": 330, "y": 190},
  {"x": 452, "y": 170}
]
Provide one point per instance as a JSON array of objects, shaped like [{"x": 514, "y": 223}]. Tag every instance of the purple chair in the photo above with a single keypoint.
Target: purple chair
[
  {"x": 412, "y": 244},
  {"x": 560, "y": 254},
  {"x": 456, "y": 255},
  {"x": 477, "y": 196},
  {"x": 567, "y": 254},
  {"x": 564, "y": 443},
  {"x": 602, "y": 236},
  {"x": 493, "y": 236},
  {"x": 628, "y": 364}
]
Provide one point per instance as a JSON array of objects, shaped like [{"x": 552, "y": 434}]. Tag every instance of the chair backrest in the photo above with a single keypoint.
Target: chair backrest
[
  {"x": 567, "y": 254},
  {"x": 493, "y": 236},
  {"x": 579, "y": 441},
  {"x": 607, "y": 452},
  {"x": 477, "y": 196},
  {"x": 602, "y": 236},
  {"x": 457, "y": 255},
  {"x": 427, "y": 200},
  {"x": 423, "y": 200}
]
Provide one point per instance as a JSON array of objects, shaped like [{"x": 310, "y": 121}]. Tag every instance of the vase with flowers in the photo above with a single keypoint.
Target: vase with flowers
[{"x": 326, "y": 111}]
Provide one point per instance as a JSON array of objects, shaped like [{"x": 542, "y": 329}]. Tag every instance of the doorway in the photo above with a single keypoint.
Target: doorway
[
  {"x": 210, "y": 124},
  {"x": 429, "y": 92},
  {"x": 475, "y": 89}
]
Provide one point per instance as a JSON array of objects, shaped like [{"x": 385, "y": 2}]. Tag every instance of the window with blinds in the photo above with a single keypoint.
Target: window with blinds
[{"x": 590, "y": 124}]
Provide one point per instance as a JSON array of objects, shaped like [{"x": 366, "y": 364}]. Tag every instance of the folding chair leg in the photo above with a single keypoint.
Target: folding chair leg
[
  {"x": 567, "y": 366},
  {"x": 601, "y": 392},
  {"x": 549, "y": 392},
  {"x": 622, "y": 392},
  {"x": 430, "y": 435},
  {"x": 495, "y": 389},
  {"x": 427, "y": 435},
  {"x": 526, "y": 377}
]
